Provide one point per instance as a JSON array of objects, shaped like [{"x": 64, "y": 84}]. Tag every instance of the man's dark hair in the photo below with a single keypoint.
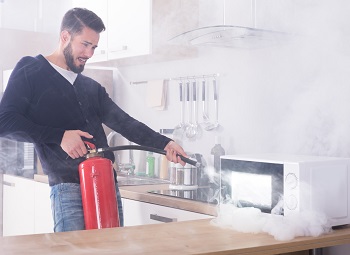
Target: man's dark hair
[{"x": 77, "y": 18}]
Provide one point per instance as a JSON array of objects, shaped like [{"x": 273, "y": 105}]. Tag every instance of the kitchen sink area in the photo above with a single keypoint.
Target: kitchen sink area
[
  {"x": 134, "y": 180},
  {"x": 122, "y": 178}
]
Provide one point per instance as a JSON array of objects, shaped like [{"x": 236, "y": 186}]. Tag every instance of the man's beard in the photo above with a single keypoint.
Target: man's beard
[{"x": 67, "y": 52}]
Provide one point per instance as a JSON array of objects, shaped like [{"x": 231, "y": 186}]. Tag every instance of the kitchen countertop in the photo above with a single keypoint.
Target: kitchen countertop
[
  {"x": 140, "y": 193},
  {"x": 187, "y": 237}
]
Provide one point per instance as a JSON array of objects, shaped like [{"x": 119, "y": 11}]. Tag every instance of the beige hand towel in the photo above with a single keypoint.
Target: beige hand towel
[{"x": 156, "y": 94}]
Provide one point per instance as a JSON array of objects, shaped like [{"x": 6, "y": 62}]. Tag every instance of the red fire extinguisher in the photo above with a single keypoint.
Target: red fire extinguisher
[
  {"x": 98, "y": 186},
  {"x": 98, "y": 192}
]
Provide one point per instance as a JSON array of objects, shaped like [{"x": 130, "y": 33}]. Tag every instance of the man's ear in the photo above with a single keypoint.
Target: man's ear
[{"x": 65, "y": 36}]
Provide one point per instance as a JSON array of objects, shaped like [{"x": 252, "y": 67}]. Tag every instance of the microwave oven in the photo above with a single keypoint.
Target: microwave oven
[{"x": 284, "y": 184}]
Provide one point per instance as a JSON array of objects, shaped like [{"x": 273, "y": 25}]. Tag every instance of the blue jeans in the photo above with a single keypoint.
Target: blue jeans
[{"x": 67, "y": 207}]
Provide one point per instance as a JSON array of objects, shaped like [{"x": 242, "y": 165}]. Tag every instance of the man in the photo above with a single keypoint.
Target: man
[{"x": 49, "y": 102}]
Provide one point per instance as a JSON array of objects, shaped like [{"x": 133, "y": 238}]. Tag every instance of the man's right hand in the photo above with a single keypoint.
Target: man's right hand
[{"x": 72, "y": 143}]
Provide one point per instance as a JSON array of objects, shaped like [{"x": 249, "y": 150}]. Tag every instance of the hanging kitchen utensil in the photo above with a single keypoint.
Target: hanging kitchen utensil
[
  {"x": 180, "y": 128},
  {"x": 195, "y": 110},
  {"x": 216, "y": 124},
  {"x": 190, "y": 129},
  {"x": 206, "y": 120},
  {"x": 204, "y": 104}
]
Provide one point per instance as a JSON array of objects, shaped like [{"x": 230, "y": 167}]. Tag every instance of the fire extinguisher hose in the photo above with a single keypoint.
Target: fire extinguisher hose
[{"x": 146, "y": 148}]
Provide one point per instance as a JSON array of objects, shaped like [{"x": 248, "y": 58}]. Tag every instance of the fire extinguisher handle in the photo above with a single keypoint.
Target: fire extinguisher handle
[{"x": 90, "y": 146}]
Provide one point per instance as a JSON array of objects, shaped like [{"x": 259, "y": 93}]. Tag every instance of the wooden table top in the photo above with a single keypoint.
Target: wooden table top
[{"x": 189, "y": 237}]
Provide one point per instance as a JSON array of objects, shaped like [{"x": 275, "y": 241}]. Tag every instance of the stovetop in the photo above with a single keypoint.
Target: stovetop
[{"x": 201, "y": 194}]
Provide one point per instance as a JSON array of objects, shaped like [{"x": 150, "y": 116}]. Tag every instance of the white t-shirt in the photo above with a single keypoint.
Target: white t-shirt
[{"x": 69, "y": 75}]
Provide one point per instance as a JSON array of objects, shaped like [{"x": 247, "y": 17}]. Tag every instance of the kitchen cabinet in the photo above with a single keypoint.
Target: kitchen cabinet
[
  {"x": 26, "y": 206},
  {"x": 14, "y": 16},
  {"x": 128, "y": 27},
  {"x": 141, "y": 213},
  {"x": 168, "y": 19},
  {"x": 273, "y": 15},
  {"x": 138, "y": 31},
  {"x": 35, "y": 15},
  {"x": 43, "y": 221},
  {"x": 278, "y": 15},
  {"x": 18, "y": 205}
]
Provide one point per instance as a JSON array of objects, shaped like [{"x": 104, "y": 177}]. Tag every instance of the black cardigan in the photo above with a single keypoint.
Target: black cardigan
[{"x": 39, "y": 104}]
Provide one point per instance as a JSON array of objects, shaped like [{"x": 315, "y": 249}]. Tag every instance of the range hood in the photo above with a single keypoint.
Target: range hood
[{"x": 230, "y": 35}]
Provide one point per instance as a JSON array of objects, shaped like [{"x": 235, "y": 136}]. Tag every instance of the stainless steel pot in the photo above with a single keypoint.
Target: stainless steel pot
[
  {"x": 188, "y": 175},
  {"x": 176, "y": 174},
  {"x": 202, "y": 177}
]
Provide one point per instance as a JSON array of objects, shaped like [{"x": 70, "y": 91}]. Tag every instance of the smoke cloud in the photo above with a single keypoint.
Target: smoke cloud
[{"x": 282, "y": 228}]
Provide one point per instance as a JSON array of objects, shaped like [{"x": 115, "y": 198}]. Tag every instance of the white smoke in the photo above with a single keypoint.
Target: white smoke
[
  {"x": 314, "y": 119},
  {"x": 282, "y": 228}
]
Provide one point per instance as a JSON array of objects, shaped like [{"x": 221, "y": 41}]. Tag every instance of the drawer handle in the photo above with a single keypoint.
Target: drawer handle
[
  {"x": 161, "y": 218},
  {"x": 9, "y": 184}
]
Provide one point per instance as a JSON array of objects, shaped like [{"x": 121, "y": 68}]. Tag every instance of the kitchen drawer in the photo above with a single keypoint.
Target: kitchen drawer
[
  {"x": 140, "y": 213},
  {"x": 18, "y": 205}
]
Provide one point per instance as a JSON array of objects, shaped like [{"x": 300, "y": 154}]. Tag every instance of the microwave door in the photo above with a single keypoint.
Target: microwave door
[{"x": 253, "y": 184}]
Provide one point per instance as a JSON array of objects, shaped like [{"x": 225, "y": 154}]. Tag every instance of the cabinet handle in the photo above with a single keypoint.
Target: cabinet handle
[
  {"x": 9, "y": 184},
  {"x": 124, "y": 47},
  {"x": 101, "y": 52},
  {"x": 161, "y": 218}
]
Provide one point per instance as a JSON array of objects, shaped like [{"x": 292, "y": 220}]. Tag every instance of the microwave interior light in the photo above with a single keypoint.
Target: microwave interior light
[{"x": 251, "y": 190}]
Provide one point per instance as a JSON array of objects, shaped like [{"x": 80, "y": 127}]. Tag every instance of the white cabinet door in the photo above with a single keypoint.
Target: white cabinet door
[
  {"x": 19, "y": 14},
  {"x": 35, "y": 15},
  {"x": 278, "y": 15},
  {"x": 140, "y": 213},
  {"x": 26, "y": 206},
  {"x": 129, "y": 28},
  {"x": 43, "y": 221},
  {"x": 18, "y": 206}
]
